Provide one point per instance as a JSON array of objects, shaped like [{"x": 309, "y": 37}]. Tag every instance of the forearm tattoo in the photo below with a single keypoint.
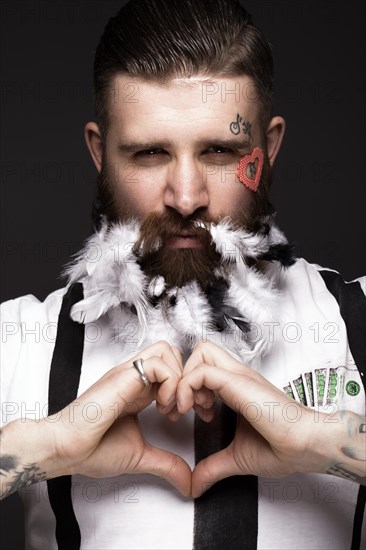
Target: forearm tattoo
[
  {"x": 15, "y": 475},
  {"x": 356, "y": 452},
  {"x": 343, "y": 470},
  {"x": 241, "y": 125}
]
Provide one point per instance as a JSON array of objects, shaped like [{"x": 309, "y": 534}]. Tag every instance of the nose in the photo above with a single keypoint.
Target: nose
[{"x": 186, "y": 189}]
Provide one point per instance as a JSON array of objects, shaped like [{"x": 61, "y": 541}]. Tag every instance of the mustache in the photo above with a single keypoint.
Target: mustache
[
  {"x": 177, "y": 266},
  {"x": 157, "y": 229}
]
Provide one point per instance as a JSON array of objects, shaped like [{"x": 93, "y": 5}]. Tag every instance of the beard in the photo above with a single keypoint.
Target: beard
[{"x": 179, "y": 266}]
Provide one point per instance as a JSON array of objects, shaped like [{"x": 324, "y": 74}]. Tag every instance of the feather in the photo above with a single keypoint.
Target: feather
[
  {"x": 223, "y": 312},
  {"x": 191, "y": 316},
  {"x": 228, "y": 313},
  {"x": 93, "y": 307},
  {"x": 281, "y": 252},
  {"x": 156, "y": 286}
]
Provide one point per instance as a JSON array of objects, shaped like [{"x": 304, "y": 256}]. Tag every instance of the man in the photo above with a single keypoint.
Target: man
[{"x": 187, "y": 269}]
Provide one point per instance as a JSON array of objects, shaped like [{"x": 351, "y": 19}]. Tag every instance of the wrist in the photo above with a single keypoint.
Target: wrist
[
  {"x": 32, "y": 442},
  {"x": 320, "y": 442},
  {"x": 26, "y": 455},
  {"x": 349, "y": 459}
]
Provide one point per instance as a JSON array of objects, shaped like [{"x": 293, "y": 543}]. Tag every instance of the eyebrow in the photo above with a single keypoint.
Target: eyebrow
[{"x": 232, "y": 143}]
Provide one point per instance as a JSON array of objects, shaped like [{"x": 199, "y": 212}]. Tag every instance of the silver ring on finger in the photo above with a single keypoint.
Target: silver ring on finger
[{"x": 138, "y": 364}]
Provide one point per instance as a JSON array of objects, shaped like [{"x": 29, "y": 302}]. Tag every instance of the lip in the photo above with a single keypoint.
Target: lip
[{"x": 184, "y": 240}]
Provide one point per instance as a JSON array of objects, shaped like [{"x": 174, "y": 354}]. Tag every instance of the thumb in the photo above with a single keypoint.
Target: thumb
[
  {"x": 168, "y": 466},
  {"x": 212, "y": 469}
]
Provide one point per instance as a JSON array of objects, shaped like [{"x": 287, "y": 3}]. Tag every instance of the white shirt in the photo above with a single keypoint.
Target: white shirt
[{"x": 302, "y": 511}]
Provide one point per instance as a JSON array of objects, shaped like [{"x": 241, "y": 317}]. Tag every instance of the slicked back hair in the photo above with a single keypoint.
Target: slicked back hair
[{"x": 159, "y": 40}]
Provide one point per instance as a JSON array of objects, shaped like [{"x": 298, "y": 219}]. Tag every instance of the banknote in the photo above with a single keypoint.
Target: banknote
[
  {"x": 288, "y": 391},
  {"x": 298, "y": 390},
  {"x": 325, "y": 387},
  {"x": 307, "y": 380},
  {"x": 320, "y": 378},
  {"x": 335, "y": 386}
]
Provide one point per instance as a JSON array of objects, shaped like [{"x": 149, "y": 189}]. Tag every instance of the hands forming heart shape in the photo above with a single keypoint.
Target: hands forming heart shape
[{"x": 267, "y": 442}]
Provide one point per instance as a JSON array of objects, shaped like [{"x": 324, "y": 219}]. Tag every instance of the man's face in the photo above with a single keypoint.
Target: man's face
[
  {"x": 166, "y": 146},
  {"x": 170, "y": 157}
]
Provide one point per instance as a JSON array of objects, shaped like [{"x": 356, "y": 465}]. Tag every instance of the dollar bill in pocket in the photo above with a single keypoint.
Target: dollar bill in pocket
[{"x": 320, "y": 379}]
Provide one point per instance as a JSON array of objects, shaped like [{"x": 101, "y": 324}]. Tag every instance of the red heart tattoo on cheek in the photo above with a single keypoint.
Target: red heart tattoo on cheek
[{"x": 249, "y": 169}]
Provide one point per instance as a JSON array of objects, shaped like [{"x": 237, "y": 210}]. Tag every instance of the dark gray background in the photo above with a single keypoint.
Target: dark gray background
[{"x": 48, "y": 181}]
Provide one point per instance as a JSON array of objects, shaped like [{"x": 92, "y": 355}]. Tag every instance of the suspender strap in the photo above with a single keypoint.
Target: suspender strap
[
  {"x": 226, "y": 515},
  {"x": 352, "y": 305},
  {"x": 63, "y": 388},
  {"x": 358, "y": 519}
]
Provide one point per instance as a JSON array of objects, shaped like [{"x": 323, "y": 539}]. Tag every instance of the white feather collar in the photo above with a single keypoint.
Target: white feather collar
[{"x": 109, "y": 271}]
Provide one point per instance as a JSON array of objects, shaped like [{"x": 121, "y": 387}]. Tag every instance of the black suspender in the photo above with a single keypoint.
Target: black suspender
[
  {"x": 226, "y": 516},
  {"x": 63, "y": 389}
]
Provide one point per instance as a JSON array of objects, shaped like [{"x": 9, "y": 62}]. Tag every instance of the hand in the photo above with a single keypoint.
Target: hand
[
  {"x": 275, "y": 435},
  {"x": 69, "y": 443}
]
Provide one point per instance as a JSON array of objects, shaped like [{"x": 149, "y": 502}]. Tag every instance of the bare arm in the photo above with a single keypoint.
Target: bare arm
[
  {"x": 350, "y": 463},
  {"x": 21, "y": 439},
  {"x": 69, "y": 443},
  {"x": 269, "y": 442}
]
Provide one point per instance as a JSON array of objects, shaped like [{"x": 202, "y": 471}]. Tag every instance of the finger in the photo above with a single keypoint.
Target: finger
[
  {"x": 158, "y": 371},
  {"x": 212, "y": 469},
  {"x": 174, "y": 415},
  {"x": 178, "y": 356},
  {"x": 119, "y": 392},
  {"x": 171, "y": 413},
  {"x": 170, "y": 354},
  {"x": 204, "y": 402},
  {"x": 205, "y": 398},
  {"x": 172, "y": 357},
  {"x": 168, "y": 466},
  {"x": 258, "y": 401},
  {"x": 194, "y": 382},
  {"x": 212, "y": 354},
  {"x": 207, "y": 415}
]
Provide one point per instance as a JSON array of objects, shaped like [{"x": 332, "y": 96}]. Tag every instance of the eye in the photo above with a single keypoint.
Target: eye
[
  {"x": 149, "y": 152},
  {"x": 218, "y": 150}
]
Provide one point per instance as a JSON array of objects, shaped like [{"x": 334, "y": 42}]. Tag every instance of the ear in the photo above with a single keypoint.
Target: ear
[
  {"x": 274, "y": 136},
  {"x": 94, "y": 143}
]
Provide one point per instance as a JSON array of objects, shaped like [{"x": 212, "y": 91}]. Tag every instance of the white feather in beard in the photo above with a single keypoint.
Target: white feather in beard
[{"x": 113, "y": 281}]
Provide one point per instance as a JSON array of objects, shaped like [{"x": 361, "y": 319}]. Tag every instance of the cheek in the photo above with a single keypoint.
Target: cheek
[
  {"x": 227, "y": 193},
  {"x": 133, "y": 188}
]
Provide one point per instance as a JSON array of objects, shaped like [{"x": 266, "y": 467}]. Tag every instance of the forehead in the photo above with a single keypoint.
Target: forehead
[{"x": 186, "y": 106}]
